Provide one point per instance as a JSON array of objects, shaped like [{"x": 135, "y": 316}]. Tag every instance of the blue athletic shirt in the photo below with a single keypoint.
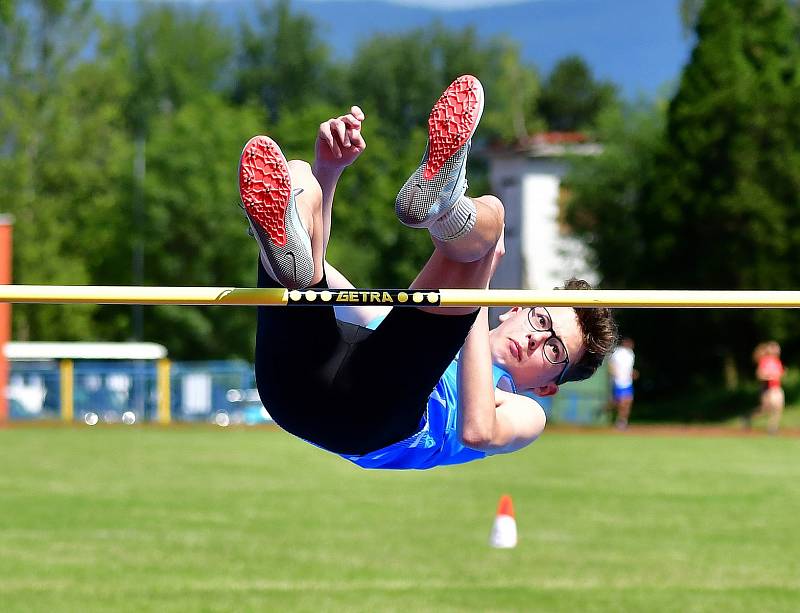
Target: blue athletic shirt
[{"x": 437, "y": 442}]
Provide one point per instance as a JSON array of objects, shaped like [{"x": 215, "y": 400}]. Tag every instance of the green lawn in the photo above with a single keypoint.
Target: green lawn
[{"x": 199, "y": 519}]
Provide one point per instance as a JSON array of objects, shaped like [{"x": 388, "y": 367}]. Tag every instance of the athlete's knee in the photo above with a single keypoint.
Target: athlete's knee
[
  {"x": 303, "y": 177},
  {"x": 300, "y": 170},
  {"x": 494, "y": 207},
  {"x": 299, "y": 166},
  {"x": 494, "y": 214}
]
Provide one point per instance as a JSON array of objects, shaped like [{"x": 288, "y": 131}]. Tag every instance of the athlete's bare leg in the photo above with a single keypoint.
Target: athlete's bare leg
[
  {"x": 468, "y": 261},
  {"x": 623, "y": 412},
  {"x": 309, "y": 208},
  {"x": 465, "y": 231}
]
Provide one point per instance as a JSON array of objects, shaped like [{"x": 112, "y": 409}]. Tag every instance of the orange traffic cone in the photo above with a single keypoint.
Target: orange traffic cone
[{"x": 504, "y": 529}]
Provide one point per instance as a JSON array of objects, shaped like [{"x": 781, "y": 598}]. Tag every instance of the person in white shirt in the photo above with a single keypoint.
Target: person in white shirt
[{"x": 622, "y": 372}]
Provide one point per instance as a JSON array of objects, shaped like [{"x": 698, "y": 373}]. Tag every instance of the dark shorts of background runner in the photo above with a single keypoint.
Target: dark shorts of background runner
[{"x": 346, "y": 388}]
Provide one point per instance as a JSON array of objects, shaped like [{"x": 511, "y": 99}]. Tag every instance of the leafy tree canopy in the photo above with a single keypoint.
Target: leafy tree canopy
[
  {"x": 713, "y": 202},
  {"x": 571, "y": 98}
]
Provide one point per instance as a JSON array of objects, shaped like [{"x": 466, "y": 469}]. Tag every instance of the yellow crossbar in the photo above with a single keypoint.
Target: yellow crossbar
[
  {"x": 107, "y": 294},
  {"x": 122, "y": 294}
]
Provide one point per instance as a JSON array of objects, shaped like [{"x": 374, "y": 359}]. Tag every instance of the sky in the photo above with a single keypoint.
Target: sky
[
  {"x": 639, "y": 45},
  {"x": 442, "y": 5}
]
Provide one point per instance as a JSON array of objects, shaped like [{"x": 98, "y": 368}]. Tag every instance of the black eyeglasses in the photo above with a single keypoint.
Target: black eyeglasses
[{"x": 555, "y": 351}]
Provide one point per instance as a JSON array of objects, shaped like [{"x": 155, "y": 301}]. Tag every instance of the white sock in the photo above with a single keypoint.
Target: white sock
[{"x": 457, "y": 222}]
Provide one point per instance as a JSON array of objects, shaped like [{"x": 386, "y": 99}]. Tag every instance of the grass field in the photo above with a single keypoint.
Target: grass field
[{"x": 199, "y": 519}]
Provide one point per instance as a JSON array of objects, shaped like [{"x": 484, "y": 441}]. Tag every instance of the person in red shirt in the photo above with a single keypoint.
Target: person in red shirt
[{"x": 769, "y": 371}]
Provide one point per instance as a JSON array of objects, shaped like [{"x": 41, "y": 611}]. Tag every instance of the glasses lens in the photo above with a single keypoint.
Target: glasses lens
[
  {"x": 540, "y": 319},
  {"x": 554, "y": 351}
]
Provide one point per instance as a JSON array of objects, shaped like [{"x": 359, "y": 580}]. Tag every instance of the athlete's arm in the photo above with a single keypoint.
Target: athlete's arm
[
  {"x": 491, "y": 420},
  {"x": 612, "y": 367},
  {"x": 339, "y": 143},
  {"x": 520, "y": 421},
  {"x": 477, "y": 407}
]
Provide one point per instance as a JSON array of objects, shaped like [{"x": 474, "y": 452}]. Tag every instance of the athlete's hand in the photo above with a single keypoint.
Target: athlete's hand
[{"x": 339, "y": 141}]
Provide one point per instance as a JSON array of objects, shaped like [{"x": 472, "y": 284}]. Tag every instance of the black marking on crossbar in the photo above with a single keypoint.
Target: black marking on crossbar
[{"x": 357, "y": 297}]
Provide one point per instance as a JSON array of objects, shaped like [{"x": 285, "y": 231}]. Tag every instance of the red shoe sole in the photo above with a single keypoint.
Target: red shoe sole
[
  {"x": 265, "y": 186},
  {"x": 452, "y": 121}
]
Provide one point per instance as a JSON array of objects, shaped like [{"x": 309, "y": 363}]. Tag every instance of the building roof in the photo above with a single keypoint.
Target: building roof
[
  {"x": 83, "y": 351},
  {"x": 549, "y": 144}
]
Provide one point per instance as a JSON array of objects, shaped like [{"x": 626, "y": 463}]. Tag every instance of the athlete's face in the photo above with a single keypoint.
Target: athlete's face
[{"x": 535, "y": 345}]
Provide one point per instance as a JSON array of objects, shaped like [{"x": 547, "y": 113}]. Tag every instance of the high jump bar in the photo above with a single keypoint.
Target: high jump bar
[{"x": 115, "y": 294}]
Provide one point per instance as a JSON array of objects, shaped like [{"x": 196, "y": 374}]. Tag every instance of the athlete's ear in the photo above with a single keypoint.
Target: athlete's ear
[
  {"x": 546, "y": 390},
  {"x": 509, "y": 313}
]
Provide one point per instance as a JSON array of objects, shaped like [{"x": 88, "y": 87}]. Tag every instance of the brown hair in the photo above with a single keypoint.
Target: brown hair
[
  {"x": 759, "y": 352},
  {"x": 766, "y": 348},
  {"x": 599, "y": 335}
]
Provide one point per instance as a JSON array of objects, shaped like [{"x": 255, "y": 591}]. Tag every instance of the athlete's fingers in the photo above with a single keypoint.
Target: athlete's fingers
[
  {"x": 327, "y": 136},
  {"x": 357, "y": 140},
  {"x": 357, "y": 112},
  {"x": 340, "y": 130},
  {"x": 351, "y": 121}
]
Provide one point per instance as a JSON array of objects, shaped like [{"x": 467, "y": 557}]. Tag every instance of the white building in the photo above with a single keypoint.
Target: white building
[{"x": 540, "y": 253}]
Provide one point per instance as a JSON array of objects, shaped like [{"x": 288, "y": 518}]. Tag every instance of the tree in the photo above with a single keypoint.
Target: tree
[
  {"x": 605, "y": 208},
  {"x": 717, "y": 206},
  {"x": 174, "y": 56},
  {"x": 47, "y": 180},
  {"x": 196, "y": 234},
  {"x": 282, "y": 62},
  {"x": 171, "y": 56},
  {"x": 571, "y": 99},
  {"x": 728, "y": 190},
  {"x": 690, "y": 11},
  {"x": 403, "y": 75}
]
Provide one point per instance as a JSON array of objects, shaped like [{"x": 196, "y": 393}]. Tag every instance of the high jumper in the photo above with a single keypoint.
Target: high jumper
[{"x": 430, "y": 385}]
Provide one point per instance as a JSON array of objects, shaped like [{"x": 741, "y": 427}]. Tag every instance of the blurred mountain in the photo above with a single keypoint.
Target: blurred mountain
[{"x": 637, "y": 44}]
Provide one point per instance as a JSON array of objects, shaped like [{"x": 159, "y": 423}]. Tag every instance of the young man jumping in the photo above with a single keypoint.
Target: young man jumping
[{"x": 430, "y": 385}]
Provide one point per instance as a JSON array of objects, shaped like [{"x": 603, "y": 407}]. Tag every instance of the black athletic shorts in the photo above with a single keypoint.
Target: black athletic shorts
[{"x": 347, "y": 388}]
